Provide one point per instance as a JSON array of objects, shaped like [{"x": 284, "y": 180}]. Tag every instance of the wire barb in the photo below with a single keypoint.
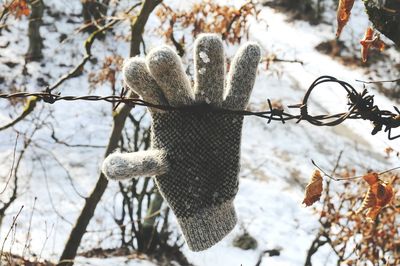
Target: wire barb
[
  {"x": 48, "y": 97},
  {"x": 360, "y": 106}
]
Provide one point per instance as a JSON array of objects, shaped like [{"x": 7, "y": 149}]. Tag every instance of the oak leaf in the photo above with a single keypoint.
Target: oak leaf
[
  {"x": 368, "y": 202},
  {"x": 313, "y": 189},
  {"x": 371, "y": 178},
  {"x": 384, "y": 194},
  {"x": 373, "y": 213},
  {"x": 343, "y": 14},
  {"x": 19, "y": 8},
  {"x": 379, "y": 195},
  {"x": 370, "y": 40}
]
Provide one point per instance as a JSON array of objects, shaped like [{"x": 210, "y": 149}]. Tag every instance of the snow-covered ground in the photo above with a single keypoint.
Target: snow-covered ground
[{"x": 276, "y": 158}]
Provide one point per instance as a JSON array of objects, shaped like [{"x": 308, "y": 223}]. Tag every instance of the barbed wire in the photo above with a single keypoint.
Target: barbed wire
[{"x": 360, "y": 106}]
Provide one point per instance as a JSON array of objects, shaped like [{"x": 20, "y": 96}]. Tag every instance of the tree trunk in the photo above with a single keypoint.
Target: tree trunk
[
  {"x": 137, "y": 26},
  {"x": 35, "y": 40},
  {"x": 91, "y": 202},
  {"x": 385, "y": 15}
]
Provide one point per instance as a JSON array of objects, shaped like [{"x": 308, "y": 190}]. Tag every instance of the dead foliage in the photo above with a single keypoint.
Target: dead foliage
[
  {"x": 360, "y": 219},
  {"x": 207, "y": 16}
]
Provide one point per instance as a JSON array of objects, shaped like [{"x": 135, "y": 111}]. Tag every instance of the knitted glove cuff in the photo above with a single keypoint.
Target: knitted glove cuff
[{"x": 208, "y": 226}]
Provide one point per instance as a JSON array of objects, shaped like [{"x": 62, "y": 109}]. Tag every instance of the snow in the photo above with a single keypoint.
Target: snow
[
  {"x": 112, "y": 261},
  {"x": 202, "y": 71},
  {"x": 276, "y": 158},
  {"x": 204, "y": 57}
]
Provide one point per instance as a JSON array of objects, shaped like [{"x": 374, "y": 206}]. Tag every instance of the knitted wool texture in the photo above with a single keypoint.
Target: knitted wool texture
[
  {"x": 195, "y": 151},
  {"x": 203, "y": 150}
]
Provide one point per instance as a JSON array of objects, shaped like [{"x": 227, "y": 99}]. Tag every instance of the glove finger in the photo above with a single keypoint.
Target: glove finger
[
  {"x": 241, "y": 77},
  {"x": 138, "y": 78},
  {"x": 119, "y": 166},
  {"x": 209, "y": 69},
  {"x": 167, "y": 69}
]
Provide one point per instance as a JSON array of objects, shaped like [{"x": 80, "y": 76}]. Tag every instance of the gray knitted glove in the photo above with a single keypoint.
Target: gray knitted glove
[{"x": 195, "y": 150}]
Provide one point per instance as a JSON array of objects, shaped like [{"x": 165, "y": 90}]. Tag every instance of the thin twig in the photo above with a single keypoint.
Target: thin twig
[
  {"x": 88, "y": 53},
  {"x": 45, "y": 240},
  {"x": 337, "y": 162},
  {"x": 12, "y": 165},
  {"x": 69, "y": 177},
  {"x": 58, "y": 141},
  {"x": 331, "y": 176},
  {"x": 49, "y": 194},
  {"x": 390, "y": 170},
  {"x": 378, "y": 81},
  {"x": 5, "y": 10},
  {"x": 13, "y": 196},
  {"x": 281, "y": 60},
  {"x": 31, "y": 104},
  {"x": 29, "y": 107},
  {"x": 28, "y": 234},
  {"x": 9, "y": 231},
  {"x": 225, "y": 34}
]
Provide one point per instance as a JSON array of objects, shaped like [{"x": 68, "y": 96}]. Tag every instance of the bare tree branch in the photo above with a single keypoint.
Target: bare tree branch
[
  {"x": 119, "y": 118},
  {"x": 31, "y": 104},
  {"x": 12, "y": 165}
]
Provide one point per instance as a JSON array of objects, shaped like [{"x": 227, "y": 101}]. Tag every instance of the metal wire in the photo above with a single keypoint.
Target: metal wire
[{"x": 360, "y": 106}]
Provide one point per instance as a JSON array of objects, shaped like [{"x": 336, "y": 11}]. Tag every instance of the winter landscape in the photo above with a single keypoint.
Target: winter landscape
[{"x": 56, "y": 208}]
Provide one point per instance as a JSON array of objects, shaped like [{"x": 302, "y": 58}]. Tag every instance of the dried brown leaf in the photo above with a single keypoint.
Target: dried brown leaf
[
  {"x": 313, "y": 189},
  {"x": 371, "y": 178},
  {"x": 343, "y": 14},
  {"x": 19, "y": 8},
  {"x": 368, "y": 202},
  {"x": 378, "y": 196},
  {"x": 384, "y": 194},
  {"x": 370, "y": 40}
]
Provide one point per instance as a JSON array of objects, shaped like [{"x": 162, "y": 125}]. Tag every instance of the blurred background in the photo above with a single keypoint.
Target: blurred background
[{"x": 56, "y": 208}]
